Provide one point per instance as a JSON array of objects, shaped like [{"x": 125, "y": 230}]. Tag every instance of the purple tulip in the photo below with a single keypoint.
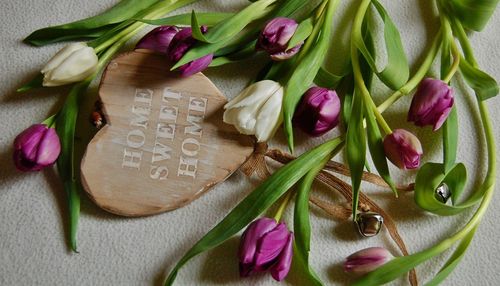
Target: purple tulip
[
  {"x": 36, "y": 148},
  {"x": 158, "y": 39},
  {"x": 367, "y": 260},
  {"x": 431, "y": 103},
  {"x": 180, "y": 45},
  {"x": 318, "y": 111},
  {"x": 403, "y": 149},
  {"x": 266, "y": 245},
  {"x": 275, "y": 37}
]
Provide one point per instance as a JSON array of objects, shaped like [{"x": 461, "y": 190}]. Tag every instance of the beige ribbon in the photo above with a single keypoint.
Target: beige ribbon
[{"x": 256, "y": 164}]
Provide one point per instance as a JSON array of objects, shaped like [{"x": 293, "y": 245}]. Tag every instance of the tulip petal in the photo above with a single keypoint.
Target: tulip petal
[
  {"x": 158, "y": 39},
  {"x": 276, "y": 34},
  {"x": 64, "y": 53},
  {"x": 269, "y": 117},
  {"x": 256, "y": 94},
  {"x": 367, "y": 260},
  {"x": 285, "y": 55},
  {"x": 27, "y": 141},
  {"x": 78, "y": 66},
  {"x": 249, "y": 240},
  {"x": 280, "y": 270},
  {"x": 49, "y": 148},
  {"x": 270, "y": 246},
  {"x": 196, "y": 66}
]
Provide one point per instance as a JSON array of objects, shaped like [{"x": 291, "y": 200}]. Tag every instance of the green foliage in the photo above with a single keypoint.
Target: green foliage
[
  {"x": 450, "y": 139},
  {"x": 302, "y": 225},
  {"x": 229, "y": 28},
  {"x": 92, "y": 27},
  {"x": 307, "y": 69},
  {"x": 483, "y": 84},
  {"x": 303, "y": 32},
  {"x": 257, "y": 202},
  {"x": 207, "y": 19},
  {"x": 430, "y": 177},
  {"x": 396, "y": 72},
  {"x": 65, "y": 127},
  {"x": 37, "y": 82},
  {"x": 473, "y": 14},
  {"x": 356, "y": 147},
  {"x": 454, "y": 260}
]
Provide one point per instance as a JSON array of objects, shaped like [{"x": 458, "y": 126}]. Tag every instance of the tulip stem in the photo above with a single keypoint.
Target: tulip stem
[
  {"x": 157, "y": 10},
  {"x": 419, "y": 74},
  {"x": 51, "y": 121},
  {"x": 454, "y": 50},
  {"x": 283, "y": 205},
  {"x": 358, "y": 75}
]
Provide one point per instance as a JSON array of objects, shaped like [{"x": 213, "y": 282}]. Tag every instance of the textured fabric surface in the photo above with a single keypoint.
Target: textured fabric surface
[{"x": 121, "y": 251}]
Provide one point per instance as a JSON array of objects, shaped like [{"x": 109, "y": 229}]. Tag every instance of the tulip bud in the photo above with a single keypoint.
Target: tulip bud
[
  {"x": 403, "y": 149},
  {"x": 266, "y": 245},
  {"x": 367, "y": 260},
  {"x": 256, "y": 110},
  {"x": 431, "y": 103},
  {"x": 36, "y": 148},
  {"x": 180, "y": 45},
  {"x": 275, "y": 37},
  {"x": 158, "y": 39},
  {"x": 318, "y": 111},
  {"x": 73, "y": 63}
]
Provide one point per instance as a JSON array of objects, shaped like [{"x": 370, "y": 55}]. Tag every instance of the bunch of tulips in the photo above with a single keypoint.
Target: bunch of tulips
[{"x": 294, "y": 90}]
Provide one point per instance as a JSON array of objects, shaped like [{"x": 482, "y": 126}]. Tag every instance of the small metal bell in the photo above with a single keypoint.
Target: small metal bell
[
  {"x": 369, "y": 223},
  {"x": 443, "y": 193}
]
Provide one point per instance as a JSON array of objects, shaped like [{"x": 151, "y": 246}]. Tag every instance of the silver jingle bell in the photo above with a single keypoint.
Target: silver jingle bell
[
  {"x": 369, "y": 223},
  {"x": 443, "y": 193}
]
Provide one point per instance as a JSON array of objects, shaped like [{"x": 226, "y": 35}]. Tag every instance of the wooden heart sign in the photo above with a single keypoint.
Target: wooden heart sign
[{"x": 164, "y": 143}]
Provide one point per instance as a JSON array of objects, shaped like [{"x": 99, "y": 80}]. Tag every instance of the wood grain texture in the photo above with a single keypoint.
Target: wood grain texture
[{"x": 164, "y": 143}]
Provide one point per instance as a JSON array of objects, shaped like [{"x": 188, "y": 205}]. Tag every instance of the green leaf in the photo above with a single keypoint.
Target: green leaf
[
  {"x": 206, "y": 19},
  {"x": 229, "y": 46},
  {"x": 376, "y": 146},
  {"x": 232, "y": 26},
  {"x": 473, "y": 14},
  {"x": 483, "y": 84},
  {"x": 37, "y": 82},
  {"x": 450, "y": 140},
  {"x": 302, "y": 225},
  {"x": 356, "y": 148},
  {"x": 303, "y": 31},
  {"x": 307, "y": 69},
  {"x": 430, "y": 177},
  {"x": 329, "y": 80},
  {"x": 202, "y": 49},
  {"x": 257, "y": 202},
  {"x": 91, "y": 27},
  {"x": 66, "y": 165},
  {"x": 454, "y": 260},
  {"x": 396, "y": 72}
]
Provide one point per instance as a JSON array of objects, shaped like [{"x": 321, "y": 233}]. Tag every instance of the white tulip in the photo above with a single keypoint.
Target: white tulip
[
  {"x": 73, "y": 63},
  {"x": 256, "y": 110}
]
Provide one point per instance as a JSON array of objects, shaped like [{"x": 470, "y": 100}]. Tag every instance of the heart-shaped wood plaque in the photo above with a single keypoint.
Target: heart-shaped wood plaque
[{"x": 164, "y": 143}]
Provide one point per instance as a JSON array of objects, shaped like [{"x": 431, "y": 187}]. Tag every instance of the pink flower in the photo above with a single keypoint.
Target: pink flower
[
  {"x": 158, "y": 39},
  {"x": 36, "y": 148},
  {"x": 275, "y": 37},
  {"x": 318, "y": 111},
  {"x": 367, "y": 260},
  {"x": 403, "y": 149},
  {"x": 180, "y": 45},
  {"x": 431, "y": 104},
  {"x": 266, "y": 245}
]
